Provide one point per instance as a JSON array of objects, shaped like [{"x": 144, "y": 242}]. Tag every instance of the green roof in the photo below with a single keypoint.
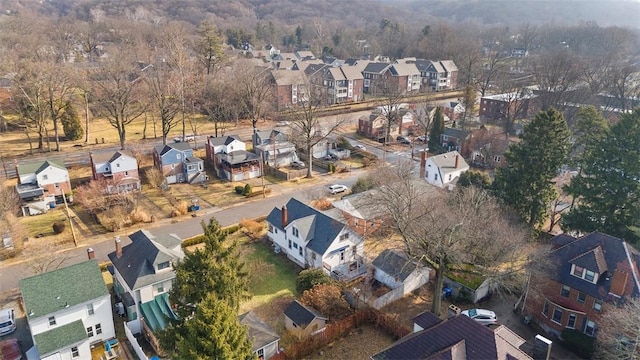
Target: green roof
[
  {"x": 34, "y": 167},
  {"x": 49, "y": 292},
  {"x": 156, "y": 312},
  {"x": 60, "y": 337}
]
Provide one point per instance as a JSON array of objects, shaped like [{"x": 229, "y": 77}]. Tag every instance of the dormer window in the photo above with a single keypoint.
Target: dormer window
[
  {"x": 584, "y": 274},
  {"x": 164, "y": 265},
  {"x": 295, "y": 231}
]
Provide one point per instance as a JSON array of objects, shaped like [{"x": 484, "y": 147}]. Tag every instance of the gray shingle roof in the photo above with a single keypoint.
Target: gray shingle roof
[
  {"x": 224, "y": 140},
  {"x": 394, "y": 264},
  {"x": 49, "y": 292},
  {"x": 238, "y": 157},
  {"x": 447, "y": 162},
  {"x": 301, "y": 315},
  {"x": 109, "y": 156},
  {"x": 180, "y": 146},
  {"x": 60, "y": 337},
  {"x": 457, "y": 133},
  {"x": 260, "y": 333},
  {"x": 321, "y": 229},
  {"x": 376, "y": 67},
  {"x": 139, "y": 260}
]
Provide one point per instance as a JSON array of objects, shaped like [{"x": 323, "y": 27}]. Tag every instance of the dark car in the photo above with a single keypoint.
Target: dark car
[{"x": 403, "y": 140}]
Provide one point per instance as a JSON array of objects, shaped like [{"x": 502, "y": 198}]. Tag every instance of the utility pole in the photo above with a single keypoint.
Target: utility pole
[{"x": 66, "y": 206}]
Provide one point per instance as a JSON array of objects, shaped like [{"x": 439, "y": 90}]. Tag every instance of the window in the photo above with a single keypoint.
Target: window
[
  {"x": 163, "y": 265},
  {"x": 597, "y": 305},
  {"x": 557, "y": 316},
  {"x": 160, "y": 288},
  {"x": 496, "y": 159},
  {"x": 90, "y": 309},
  {"x": 90, "y": 331},
  {"x": 300, "y": 251},
  {"x": 126, "y": 173},
  {"x": 178, "y": 156},
  {"x": 52, "y": 321},
  {"x": 275, "y": 230},
  {"x": 260, "y": 354},
  {"x": 590, "y": 328},
  {"x": 45, "y": 177},
  {"x": 571, "y": 324},
  {"x": 270, "y": 228},
  {"x": 98, "y": 329},
  {"x": 289, "y": 244},
  {"x": 118, "y": 165},
  {"x": 577, "y": 271},
  {"x": 295, "y": 245},
  {"x": 445, "y": 138},
  {"x": 436, "y": 177},
  {"x": 565, "y": 291},
  {"x": 344, "y": 236},
  {"x": 582, "y": 297},
  {"x": 589, "y": 275},
  {"x": 341, "y": 255},
  {"x": 545, "y": 309},
  {"x": 56, "y": 185},
  {"x": 295, "y": 231},
  {"x": 74, "y": 352}
]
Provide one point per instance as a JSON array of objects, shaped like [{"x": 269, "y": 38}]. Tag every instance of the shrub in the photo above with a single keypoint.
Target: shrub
[
  {"x": 258, "y": 192},
  {"x": 343, "y": 142},
  {"x": 309, "y": 278},
  {"x": 247, "y": 189},
  {"x": 239, "y": 189},
  {"x": 579, "y": 343},
  {"x": 251, "y": 227},
  {"x": 58, "y": 227},
  {"x": 322, "y": 204},
  {"x": 232, "y": 229},
  {"x": 182, "y": 207},
  {"x": 140, "y": 216},
  {"x": 363, "y": 184},
  {"x": 328, "y": 300},
  {"x": 192, "y": 241},
  {"x": 154, "y": 177},
  {"x": 366, "y": 162}
]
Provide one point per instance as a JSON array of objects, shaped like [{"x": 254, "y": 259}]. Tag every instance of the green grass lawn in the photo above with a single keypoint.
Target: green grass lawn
[{"x": 271, "y": 276}]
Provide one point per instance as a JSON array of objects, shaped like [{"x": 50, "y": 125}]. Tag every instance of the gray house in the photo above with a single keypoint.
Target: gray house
[
  {"x": 399, "y": 274},
  {"x": 264, "y": 340},
  {"x": 274, "y": 147},
  {"x": 177, "y": 163}
]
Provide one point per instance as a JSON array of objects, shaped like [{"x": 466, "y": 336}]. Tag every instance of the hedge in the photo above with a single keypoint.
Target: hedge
[{"x": 231, "y": 229}]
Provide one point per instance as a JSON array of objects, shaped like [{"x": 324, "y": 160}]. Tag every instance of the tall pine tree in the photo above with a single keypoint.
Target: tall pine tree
[
  {"x": 213, "y": 332},
  {"x": 607, "y": 190},
  {"x": 437, "y": 128},
  {"x": 525, "y": 183}
]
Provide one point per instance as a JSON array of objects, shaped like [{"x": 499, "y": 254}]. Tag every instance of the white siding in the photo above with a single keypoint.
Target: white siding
[{"x": 53, "y": 175}]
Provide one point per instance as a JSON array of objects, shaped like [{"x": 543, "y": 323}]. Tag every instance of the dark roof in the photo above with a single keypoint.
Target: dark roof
[
  {"x": 601, "y": 253},
  {"x": 426, "y": 320},
  {"x": 29, "y": 191},
  {"x": 225, "y": 140},
  {"x": 180, "y": 146},
  {"x": 480, "y": 342},
  {"x": 300, "y": 314},
  {"x": 394, "y": 264},
  {"x": 139, "y": 259},
  {"x": 238, "y": 157},
  {"x": 422, "y": 64},
  {"x": 260, "y": 333},
  {"x": 376, "y": 67},
  {"x": 321, "y": 229},
  {"x": 193, "y": 159},
  {"x": 457, "y": 133}
]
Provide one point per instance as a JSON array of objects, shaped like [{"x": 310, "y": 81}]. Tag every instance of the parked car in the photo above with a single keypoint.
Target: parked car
[
  {"x": 423, "y": 138},
  {"x": 297, "y": 164},
  {"x": 282, "y": 123},
  {"x": 10, "y": 350},
  {"x": 187, "y": 138},
  {"x": 358, "y": 146},
  {"x": 483, "y": 316},
  {"x": 337, "y": 188},
  {"x": 403, "y": 140},
  {"x": 7, "y": 321}
]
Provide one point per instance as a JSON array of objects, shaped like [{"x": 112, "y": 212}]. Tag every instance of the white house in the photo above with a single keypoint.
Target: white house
[
  {"x": 312, "y": 239},
  {"x": 42, "y": 184},
  {"x": 444, "y": 170},
  {"x": 229, "y": 157},
  {"x": 68, "y": 311},
  {"x": 143, "y": 275},
  {"x": 119, "y": 168}
]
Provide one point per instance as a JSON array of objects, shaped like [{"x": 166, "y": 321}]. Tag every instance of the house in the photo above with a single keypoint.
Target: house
[
  {"x": 290, "y": 88},
  {"x": 336, "y": 84},
  {"x": 459, "y": 337},
  {"x": 586, "y": 276},
  {"x": 68, "y": 311},
  {"x": 375, "y": 127},
  {"x": 519, "y": 53},
  {"x": 455, "y": 139},
  {"x": 314, "y": 240},
  {"x": 407, "y": 77},
  {"x": 439, "y": 75},
  {"x": 177, "y": 163},
  {"x": 303, "y": 321},
  {"x": 274, "y": 148},
  {"x": 305, "y": 55},
  {"x": 487, "y": 148},
  {"x": 264, "y": 340},
  {"x": 142, "y": 277},
  {"x": 374, "y": 77},
  {"x": 360, "y": 213},
  {"x": 42, "y": 184},
  {"x": 398, "y": 273},
  {"x": 229, "y": 157},
  {"x": 119, "y": 169},
  {"x": 512, "y": 105},
  {"x": 444, "y": 170}
]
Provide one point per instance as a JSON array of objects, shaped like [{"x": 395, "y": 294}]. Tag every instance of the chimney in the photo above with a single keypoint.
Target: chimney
[
  {"x": 91, "y": 254},
  {"x": 456, "y": 165},
  {"x": 118, "y": 247},
  {"x": 284, "y": 216},
  {"x": 423, "y": 164}
]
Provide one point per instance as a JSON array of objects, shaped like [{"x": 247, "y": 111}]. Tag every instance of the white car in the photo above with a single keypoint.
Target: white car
[
  {"x": 282, "y": 123},
  {"x": 483, "y": 316},
  {"x": 7, "y": 321},
  {"x": 297, "y": 164},
  {"x": 187, "y": 138},
  {"x": 335, "y": 189},
  {"x": 361, "y": 147}
]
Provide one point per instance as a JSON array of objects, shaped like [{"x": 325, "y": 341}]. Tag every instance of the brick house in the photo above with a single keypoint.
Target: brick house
[
  {"x": 585, "y": 276},
  {"x": 515, "y": 105},
  {"x": 290, "y": 87},
  {"x": 374, "y": 75},
  {"x": 336, "y": 84},
  {"x": 357, "y": 212},
  {"x": 119, "y": 169},
  {"x": 453, "y": 139},
  {"x": 487, "y": 148}
]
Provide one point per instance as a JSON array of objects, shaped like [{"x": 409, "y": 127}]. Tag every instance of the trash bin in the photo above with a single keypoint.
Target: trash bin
[{"x": 446, "y": 293}]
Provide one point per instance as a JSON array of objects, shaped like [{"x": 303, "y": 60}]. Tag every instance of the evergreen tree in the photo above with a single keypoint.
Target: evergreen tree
[
  {"x": 525, "y": 183},
  {"x": 71, "y": 123},
  {"x": 474, "y": 178},
  {"x": 590, "y": 125},
  {"x": 214, "y": 332},
  {"x": 607, "y": 190},
  {"x": 437, "y": 128}
]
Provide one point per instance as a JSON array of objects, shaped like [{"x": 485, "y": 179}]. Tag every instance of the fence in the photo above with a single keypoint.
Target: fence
[
  {"x": 133, "y": 341},
  {"x": 340, "y": 328},
  {"x": 388, "y": 298}
]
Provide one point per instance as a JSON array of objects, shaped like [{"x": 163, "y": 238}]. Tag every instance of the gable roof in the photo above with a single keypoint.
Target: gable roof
[
  {"x": 108, "y": 156},
  {"x": 455, "y": 132},
  {"x": 224, "y": 140},
  {"x": 266, "y": 135},
  {"x": 38, "y": 166},
  {"x": 426, "y": 320},
  {"x": 422, "y": 64},
  {"x": 139, "y": 260},
  {"x": 179, "y": 146},
  {"x": 60, "y": 337},
  {"x": 360, "y": 205},
  {"x": 447, "y": 162},
  {"x": 301, "y": 315},
  {"x": 320, "y": 229},
  {"x": 449, "y": 65},
  {"x": 260, "y": 333},
  {"x": 394, "y": 264},
  {"x": 612, "y": 258},
  {"x": 351, "y": 73},
  {"x": 52, "y": 291},
  {"x": 404, "y": 69},
  {"x": 288, "y": 77},
  {"x": 376, "y": 67}
]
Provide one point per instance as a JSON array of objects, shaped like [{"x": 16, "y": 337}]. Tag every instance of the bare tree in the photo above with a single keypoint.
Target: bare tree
[
  {"x": 164, "y": 88},
  {"x": 556, "y": 74},
  {"x": 624, "y": 86},
  {"x": 217, "y": 101},
  {"x": 59, "y": 88},
  {"x": 254, "y": 88},
  {"x": 619, "y": 331},
  {"x": 453, "y": 230},
  {"x": 390, "y": 99}
]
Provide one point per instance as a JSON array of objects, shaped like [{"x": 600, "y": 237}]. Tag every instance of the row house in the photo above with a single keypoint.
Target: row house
[
  {"x": 512, "y": 105},
  {"x": 585, "y": 276},
  {"x": 290, "y": 88},
  {"x": 383, "y": 78},
  {"x": 441, "y": 75},
  {"x": 336, "y": 84},
  {"x": 229, "y": 158},
  {"x": 118, "y": 169}
]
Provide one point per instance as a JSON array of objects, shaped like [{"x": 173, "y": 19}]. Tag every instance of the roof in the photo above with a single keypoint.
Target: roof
[
  {"x": 449, "y": 65},
  {"x": 319, "y": 229},
  {"x": 404, "y": 69},
  {"x": 288, "y": 77},
  {"x": 139, "y": 260},
  {"x": 426, "y": 320},
  {"x": 455, "y": 132},
  {"x": 394, "y": 264},
  {"x": 422, "y": 64},
  {"x": 611, "y": 257},
  {"x": 360, "y": 205},
  {"x": 37, "y": 167},
  {"x": 180, "y": 146},
  {"x": 266, "y": 135},
  {"x": 260, "y": 333},
  {"x": 447, "y": 162},
  {"x": 238, "y": 157},
  {"x": 224, "y": 140},
  {"x": 452, "y": 338},
  {"x": 109, "y": 156},
  {"x": 49, "y": 292},
  {"x": 437, "y": 66},
  {"x": 29, "y": 191},
  {"x": 157, "y": 311},
  {"x": 376, "y": 67},
  {"x": 351, "y": 73},
  {"x": 301, "y": 315},
  {"x": 60, "y": 337}
]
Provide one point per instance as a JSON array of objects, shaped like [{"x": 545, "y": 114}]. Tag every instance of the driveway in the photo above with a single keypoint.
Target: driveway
[{"x": 11, "y": 299}]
